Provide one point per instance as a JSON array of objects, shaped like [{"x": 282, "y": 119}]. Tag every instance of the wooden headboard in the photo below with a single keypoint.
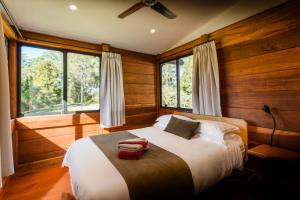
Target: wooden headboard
[{"x": 242, "y": 124}]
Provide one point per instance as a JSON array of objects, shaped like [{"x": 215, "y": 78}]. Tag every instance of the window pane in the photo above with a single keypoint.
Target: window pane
[
  {"x": 185, "y": 72},
  {"x": 169, "y": 84},
  {"x": 41, "y": 81},
  {"x": 83, "y": 82}
]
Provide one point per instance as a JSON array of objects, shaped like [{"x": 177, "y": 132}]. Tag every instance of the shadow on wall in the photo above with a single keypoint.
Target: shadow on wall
[{"x": 46, "y": 137}]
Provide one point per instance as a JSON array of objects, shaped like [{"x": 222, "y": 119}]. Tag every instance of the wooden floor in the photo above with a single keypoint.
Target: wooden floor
[{"x": 50, "y": 183}]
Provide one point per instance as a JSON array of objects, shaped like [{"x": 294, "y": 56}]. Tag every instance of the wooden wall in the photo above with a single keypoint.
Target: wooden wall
[
  {"x": 260, "y": 64},
  {"x": 44, "y": 137},
  {"x": 259, "y": 61}
]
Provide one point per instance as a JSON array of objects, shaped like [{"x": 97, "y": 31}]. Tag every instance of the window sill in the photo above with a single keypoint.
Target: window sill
[
  {"x": 53, "y": 121},
  {"x": 59, "y": 114},
  {"x": 179, "y": 109}
]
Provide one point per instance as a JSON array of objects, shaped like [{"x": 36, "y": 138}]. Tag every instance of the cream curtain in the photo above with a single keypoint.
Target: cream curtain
[
  {"x": 112, "y": 103},
  {"x": 205, "y": 81},
  {"x": 6, "y": 151}
]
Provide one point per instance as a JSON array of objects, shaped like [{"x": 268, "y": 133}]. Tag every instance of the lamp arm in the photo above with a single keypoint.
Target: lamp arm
[{"x": 274, "y": 128}]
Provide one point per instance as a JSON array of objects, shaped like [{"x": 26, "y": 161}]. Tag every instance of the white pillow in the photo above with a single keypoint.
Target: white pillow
[
  {"x": 208, "y": 125},
  {"x": 160, "y": 125},
  {"x": 215, "y": 131},
  {"x": 163, "y": 118}
]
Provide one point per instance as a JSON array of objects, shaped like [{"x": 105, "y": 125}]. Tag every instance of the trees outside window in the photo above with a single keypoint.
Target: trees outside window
[
  {"x": 176, "y": 83},
  {"x": 45, "y": 88},
  {"x": 185, "y": 77},
  {"x": 169, "y": 84},
  {"x": 83, "y": 82},
  {"x": 41, "y": 81}
]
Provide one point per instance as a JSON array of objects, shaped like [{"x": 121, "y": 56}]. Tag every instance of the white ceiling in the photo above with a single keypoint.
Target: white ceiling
[{"x": 96, "y": 21}]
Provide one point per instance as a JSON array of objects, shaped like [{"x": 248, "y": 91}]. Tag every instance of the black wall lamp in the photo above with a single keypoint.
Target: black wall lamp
[{"x": 267, "y": 109}]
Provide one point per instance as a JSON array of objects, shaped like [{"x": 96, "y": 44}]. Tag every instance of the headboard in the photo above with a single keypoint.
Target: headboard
[{"x": 242, "y": 124}]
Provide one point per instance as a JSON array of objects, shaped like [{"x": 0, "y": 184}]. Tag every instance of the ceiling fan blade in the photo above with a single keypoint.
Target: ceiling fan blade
[
  {"x": 163, "y": 10},
  {"x": 131, "y": 10}
]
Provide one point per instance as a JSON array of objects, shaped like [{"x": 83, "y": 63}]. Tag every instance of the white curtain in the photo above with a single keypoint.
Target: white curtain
[
  {"x": 6, "y": 151},
  {"x": 112, "y": 103},
  {"x": 205, "y": 81}
]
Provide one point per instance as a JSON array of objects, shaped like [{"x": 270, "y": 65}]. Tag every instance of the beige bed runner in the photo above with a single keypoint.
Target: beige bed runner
[{"x": 159, "y": 174}]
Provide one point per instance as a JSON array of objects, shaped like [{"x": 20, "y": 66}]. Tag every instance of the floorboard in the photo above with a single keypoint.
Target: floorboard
[{"x": 50, "y": 183}]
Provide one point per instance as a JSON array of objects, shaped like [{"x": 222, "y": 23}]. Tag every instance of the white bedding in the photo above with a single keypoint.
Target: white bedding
[{"x": 94, "y": 177}]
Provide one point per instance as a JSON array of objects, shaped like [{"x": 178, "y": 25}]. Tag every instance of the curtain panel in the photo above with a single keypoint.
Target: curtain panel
[
  {"x": 205, "y": 80},
  {"x": 112, "y": 101},
  {"x": 6, "y": 150}
]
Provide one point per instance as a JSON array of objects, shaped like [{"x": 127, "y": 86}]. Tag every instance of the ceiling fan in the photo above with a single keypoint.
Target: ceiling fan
[{"x": 157, "y": 6}]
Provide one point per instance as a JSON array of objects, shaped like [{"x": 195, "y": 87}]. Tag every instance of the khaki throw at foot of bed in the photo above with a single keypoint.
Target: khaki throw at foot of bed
[{"x": 159, "y": 174}]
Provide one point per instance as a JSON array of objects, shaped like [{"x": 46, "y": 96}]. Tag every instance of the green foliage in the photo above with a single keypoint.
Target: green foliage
[
  {"x": 186, "y": 82},
  {"x": 25, "y": 92},
  {"x": 42, "y": 82},
  {"x": 83, "y": 79},
  {"x": 169, "y": 83},
  {"x": 47, "y": 84}
]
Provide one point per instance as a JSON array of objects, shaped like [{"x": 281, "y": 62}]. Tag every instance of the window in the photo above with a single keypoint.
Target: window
[
  {"x": 83, "y": 82},
  {"x": 57, "y": 82},
  {"x": 176, "y": 83}
]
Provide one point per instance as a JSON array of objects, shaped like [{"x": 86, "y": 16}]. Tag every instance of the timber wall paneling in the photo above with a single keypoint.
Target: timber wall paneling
[{"x": 259, "y": 64}]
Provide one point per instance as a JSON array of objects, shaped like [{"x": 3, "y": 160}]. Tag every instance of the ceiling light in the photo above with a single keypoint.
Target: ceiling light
[
  {"x": 152, "y": 30},
  {"x": 73, "y": 7}
]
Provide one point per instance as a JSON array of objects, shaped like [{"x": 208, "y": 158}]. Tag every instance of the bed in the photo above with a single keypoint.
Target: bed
[{"x": 95, "y": 174}]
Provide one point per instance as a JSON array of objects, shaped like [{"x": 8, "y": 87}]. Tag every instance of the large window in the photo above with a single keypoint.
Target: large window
[
  {"x": 176, "y": 83},
  {"x": 57, "y": 82}
]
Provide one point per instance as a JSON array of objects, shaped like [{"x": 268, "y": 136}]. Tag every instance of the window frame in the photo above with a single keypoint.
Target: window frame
[
  {"x": 177, "y": 84},
  {"x": 65, "y": 79},
  {"x": 6, "y": 40}
]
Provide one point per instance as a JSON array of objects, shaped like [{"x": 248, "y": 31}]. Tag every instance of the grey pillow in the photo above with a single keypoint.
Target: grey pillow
[{"x": 182, "y": 128}]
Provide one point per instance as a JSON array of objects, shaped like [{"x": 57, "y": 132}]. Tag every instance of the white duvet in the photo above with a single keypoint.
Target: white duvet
[{"x": 93, "y": 177}]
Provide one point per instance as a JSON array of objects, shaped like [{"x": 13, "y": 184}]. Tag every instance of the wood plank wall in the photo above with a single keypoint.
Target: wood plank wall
[
  {"x": 45, "y": 137},
  {"x": 259, "y": 61}
]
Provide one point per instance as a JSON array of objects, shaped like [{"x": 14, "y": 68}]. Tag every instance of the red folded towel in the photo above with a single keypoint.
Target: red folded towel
[
  {"x": 130, "y": 155},
  {"x": 145, "y": 144},
  {"x": 132, "y": 149}
]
